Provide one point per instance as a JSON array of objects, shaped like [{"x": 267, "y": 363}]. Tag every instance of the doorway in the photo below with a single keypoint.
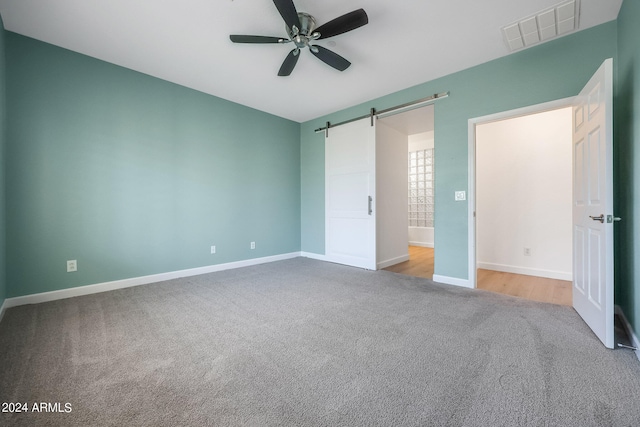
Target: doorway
[
  {"x": 416, "y": 127},
  {"x": 520, "y": 202},
  {"x": 523, "y": 205}
]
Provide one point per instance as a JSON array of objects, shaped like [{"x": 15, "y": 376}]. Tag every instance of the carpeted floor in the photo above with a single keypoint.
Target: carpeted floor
[{"x": 301, "y": 342}]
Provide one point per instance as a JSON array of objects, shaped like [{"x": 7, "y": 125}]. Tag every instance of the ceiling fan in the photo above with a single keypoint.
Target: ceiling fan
[{"x": 301, "y": 30}]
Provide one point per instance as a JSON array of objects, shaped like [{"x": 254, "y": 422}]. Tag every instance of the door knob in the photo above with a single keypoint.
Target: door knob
[{"x": 598, "y": 218}]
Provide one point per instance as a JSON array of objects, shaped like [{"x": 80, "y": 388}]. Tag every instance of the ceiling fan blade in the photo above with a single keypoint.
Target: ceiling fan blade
[
  {"x": 289, "y": 63},
  {"x": 255, "y": 39},
  {"x": 330, "y": 58},
  {"x": 342, "y": 24},
  {"x": 288, "y": 12}
]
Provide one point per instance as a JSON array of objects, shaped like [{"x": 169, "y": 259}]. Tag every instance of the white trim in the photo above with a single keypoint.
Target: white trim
[
  {"x": 471, "y": 204},
  {"x": 311, "y": 255},
  {"x": 392, "y": 261},
  {"x": 3, "y": 309},
  {"x": 471, "y": 193},
  {"x": 550, "y": 274},
  {"x": 465, "y": 283},
  {"x": 136, "y": 281},
  {"x": 421, "y": 244},
  {"x": 635, "y": 342}
]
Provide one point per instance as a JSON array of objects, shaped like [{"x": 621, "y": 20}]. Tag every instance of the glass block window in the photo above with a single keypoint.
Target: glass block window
[{"x": 421, "y": 188}]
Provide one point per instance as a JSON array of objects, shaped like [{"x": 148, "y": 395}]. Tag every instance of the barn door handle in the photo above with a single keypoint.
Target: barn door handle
[
  {"x": 370, "y": 210},
  {"x": 598, "y": 218}
]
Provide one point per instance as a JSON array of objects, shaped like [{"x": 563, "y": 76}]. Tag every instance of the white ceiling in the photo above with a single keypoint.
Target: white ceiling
[
  {"x": 418, "y": 120},
  {"x": 407, "y": 42}
]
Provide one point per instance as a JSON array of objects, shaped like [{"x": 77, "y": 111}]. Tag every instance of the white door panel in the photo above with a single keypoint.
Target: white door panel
[
  {"x": 355, "y": 233},
  {"x": 341, "y": 189},
  {"x": 593, "y": 203},
  {"x": 350, "y": 192}
]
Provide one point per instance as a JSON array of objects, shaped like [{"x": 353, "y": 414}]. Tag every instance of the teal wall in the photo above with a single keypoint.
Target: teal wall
[
  {"x": 132, "y": 175},
  {"x": 3, "y": 139},
  {"x": 551, "y": 71},
  {"x": 627, "y": 158}
]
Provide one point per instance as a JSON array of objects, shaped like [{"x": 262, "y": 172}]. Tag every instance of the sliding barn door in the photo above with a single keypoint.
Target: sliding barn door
[
  {"x": 350, "y": 194},
  {"x": 593, "y": 203}
]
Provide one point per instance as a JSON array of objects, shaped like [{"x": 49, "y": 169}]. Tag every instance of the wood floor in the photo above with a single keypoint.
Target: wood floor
[
  {"x": 540, "y": 289},
  {"x": 420, "y": 263},
  {"x": 529, "y": 287}
]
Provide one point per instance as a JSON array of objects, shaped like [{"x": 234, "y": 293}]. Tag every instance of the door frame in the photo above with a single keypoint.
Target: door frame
[{"x": 471, "y": 197}]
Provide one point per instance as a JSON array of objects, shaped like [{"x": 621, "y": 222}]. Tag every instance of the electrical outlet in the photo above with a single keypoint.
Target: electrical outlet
[
  {"x": 460, "y": 196},
  {"x": 527, "y": 251},
  {"x": 213, "y": 249},
  {"x": 72, "y": 265},
  {"x": 253, "y": 245}
]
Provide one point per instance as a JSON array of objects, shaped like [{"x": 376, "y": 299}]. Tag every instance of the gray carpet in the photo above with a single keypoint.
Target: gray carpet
[{"x": 301, "y": 342}]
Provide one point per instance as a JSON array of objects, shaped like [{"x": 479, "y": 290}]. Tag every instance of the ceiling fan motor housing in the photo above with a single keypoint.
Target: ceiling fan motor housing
[{"x": 304, "y": 34}]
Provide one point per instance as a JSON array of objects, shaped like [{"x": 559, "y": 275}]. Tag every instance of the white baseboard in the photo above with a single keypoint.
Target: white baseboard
[
  {"x": 465, "y": 283},
  {"x": 380, "y": 265},
  {"x": 136, "y": 281},
  {"x": 550, "y": 274},
  {"x": 421, "y": 244},
  {"x": 392, "y": 261},
  {"x": 635, "y": 342},
  {"x": 311, "y": 255}
]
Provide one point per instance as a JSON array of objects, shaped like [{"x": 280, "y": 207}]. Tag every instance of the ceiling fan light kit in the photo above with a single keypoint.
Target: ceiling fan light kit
[{"x": 301, "y": 30}]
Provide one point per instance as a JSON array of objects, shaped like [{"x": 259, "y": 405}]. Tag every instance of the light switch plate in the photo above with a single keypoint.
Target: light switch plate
[
  {"x": 460, "y": 196},
  {"x": 72, "y": 265}
]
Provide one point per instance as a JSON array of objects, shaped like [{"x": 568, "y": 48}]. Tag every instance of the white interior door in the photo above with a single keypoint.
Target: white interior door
[
  {"x": 350, "y": 194},
  {"x": 593, "y": 203}
]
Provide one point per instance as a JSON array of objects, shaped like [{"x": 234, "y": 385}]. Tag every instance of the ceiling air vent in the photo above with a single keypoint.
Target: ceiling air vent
[{"x": 545, "y": 25}]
